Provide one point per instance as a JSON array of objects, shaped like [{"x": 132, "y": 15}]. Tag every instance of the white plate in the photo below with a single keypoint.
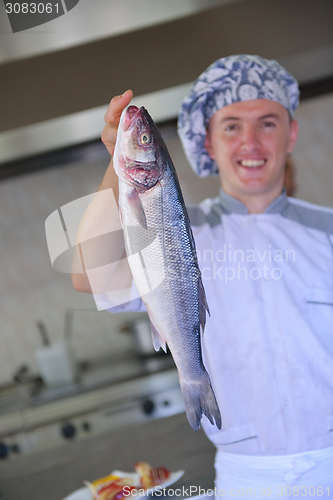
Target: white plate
[{"x": 84, "y": 493}]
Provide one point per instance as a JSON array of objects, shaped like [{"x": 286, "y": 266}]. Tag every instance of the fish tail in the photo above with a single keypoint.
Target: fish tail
[{"x": 200, "y": 399}]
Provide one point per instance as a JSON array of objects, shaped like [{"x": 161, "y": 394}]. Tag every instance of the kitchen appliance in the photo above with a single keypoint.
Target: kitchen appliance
[
  {"x": 55, "y": 361},
  {"x": 59, "y": 422},
  {"x": 141, "y": 330}
]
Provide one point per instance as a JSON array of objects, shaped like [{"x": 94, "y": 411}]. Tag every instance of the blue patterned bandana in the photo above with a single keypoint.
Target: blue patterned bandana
[{"x": 228, "y": 80}]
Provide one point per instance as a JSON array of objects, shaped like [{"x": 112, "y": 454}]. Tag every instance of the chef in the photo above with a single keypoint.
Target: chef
[{"x": 267, "y": 268}]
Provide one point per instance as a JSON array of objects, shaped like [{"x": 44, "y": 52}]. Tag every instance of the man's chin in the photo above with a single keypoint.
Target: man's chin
[{"x": 250, "y": 189}]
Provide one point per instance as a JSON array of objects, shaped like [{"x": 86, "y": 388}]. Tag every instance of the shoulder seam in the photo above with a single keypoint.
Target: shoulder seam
[{"x": 310, "y": 206}]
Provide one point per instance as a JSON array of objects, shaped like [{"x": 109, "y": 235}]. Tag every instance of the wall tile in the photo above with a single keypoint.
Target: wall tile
[{"x": 314, "y": 151}]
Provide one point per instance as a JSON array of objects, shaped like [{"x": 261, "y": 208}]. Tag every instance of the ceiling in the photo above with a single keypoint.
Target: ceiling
[
  {"x": 93, "y": 21},
  {"x": 56, "y": 79}
]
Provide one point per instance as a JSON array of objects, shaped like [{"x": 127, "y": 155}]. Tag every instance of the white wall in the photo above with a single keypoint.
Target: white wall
[{"x": 314, "y": 151}]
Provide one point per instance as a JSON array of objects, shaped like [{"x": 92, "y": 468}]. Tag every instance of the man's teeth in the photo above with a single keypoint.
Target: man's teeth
[{"x": 252, "y": 163}]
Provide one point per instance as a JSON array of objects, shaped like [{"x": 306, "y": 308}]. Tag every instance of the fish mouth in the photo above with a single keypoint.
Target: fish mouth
[
  {"x": 132, "y": 111},
  {"x": 131, "y": 115}
]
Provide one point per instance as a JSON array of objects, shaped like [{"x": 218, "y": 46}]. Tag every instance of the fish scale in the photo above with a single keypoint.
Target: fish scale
[{"x": 161, "y": 254}]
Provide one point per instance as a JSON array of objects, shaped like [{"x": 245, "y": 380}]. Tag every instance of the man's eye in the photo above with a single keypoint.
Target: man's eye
[
  {"x": 231, "y": 127},
  {"x": 269, "y": 124}
]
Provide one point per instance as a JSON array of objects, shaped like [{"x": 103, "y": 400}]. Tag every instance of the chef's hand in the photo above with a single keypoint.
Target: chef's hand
[{"x": 112, "y": 117}]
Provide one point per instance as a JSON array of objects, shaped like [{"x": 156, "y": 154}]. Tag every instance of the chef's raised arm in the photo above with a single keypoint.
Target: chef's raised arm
[{"x": 103, "y": 252}]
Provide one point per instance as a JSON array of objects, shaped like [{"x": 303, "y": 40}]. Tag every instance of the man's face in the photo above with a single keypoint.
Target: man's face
[{"x": 250, "y": 141}]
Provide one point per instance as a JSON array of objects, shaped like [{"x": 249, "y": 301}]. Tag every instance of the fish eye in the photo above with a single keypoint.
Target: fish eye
[{"x": 145, "y": 138}]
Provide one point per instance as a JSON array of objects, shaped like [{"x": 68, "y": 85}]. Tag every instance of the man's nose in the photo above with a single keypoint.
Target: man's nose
[{"x": 250, "y": 138}]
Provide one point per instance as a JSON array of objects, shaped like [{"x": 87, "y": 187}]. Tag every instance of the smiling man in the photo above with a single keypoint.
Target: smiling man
[
  {"x": 267, "y": 268},
  {"x": 268, "y": 344}
]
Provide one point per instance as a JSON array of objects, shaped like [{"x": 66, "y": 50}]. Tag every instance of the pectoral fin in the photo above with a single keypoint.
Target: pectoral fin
[
  {"x": 158, "y": 340},
  {"x": 136, "y": 207}
]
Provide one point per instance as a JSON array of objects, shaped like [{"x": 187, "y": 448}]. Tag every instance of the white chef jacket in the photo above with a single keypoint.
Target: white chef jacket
[{"x": 268, "y": 343}]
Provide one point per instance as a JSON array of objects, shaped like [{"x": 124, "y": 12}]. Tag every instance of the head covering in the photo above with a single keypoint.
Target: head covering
[{"x": 228, "y": 80}]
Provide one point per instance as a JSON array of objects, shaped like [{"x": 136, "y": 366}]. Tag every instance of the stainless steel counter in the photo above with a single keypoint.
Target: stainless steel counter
[{"x": 87, "y": 414}]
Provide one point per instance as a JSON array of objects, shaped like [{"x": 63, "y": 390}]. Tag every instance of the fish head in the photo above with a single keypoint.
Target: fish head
[{"x": 138, "y": 156}]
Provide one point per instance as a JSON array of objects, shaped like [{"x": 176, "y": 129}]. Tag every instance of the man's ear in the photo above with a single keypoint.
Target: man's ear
[
  {"x": 293, "y": 134},
  {"x": 208, "y": 145}
]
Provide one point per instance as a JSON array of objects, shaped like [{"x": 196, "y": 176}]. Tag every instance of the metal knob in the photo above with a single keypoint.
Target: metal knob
[
  {"x": 148, "y": 406},
  {"x": 4, "y": 450},
  {"x": 68, "y": 430}
]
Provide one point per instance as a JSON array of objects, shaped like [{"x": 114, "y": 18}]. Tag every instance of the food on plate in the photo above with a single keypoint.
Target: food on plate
[
  {"x": 161, "y": 254},
  {"x": 150, "y": 477},
  {"x": 109, "y": 487},
  {"x": 114, "y": 487}
]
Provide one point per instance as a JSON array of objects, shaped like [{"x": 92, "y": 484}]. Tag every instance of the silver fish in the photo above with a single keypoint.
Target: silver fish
[{"x": 161, "y": 253}]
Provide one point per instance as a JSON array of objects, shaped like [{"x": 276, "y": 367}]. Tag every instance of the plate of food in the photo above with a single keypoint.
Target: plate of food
[{"x": 120, "y": 485}]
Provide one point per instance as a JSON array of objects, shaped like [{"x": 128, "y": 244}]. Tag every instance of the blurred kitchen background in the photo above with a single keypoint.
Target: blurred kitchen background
[{"x": 55, "y": 83}]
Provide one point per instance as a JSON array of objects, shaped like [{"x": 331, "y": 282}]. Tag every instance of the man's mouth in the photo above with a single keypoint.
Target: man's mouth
[{"x": 252, "y": 163}]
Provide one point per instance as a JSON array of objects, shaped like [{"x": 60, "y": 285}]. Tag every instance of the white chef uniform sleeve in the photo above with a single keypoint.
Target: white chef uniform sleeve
[{"x": 127, "y": 300}]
